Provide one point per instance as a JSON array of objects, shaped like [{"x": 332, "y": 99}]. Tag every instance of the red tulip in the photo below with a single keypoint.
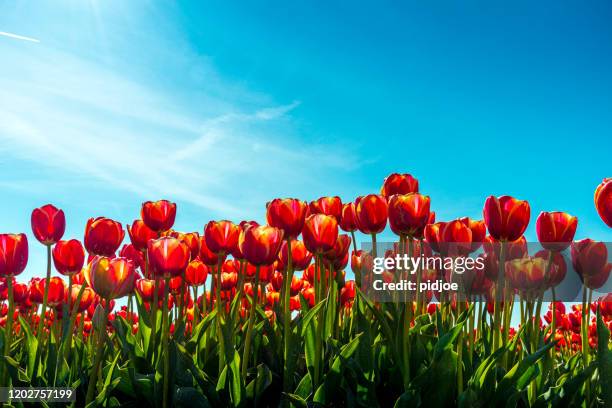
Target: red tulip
[
  {"x": 526, "y": 274},
  {"x": 221, "y": 236},
  {"x": 590, "y": 261},
  {"x": 13, "y": 254},
  {"x": 408, "y": 214},
  {"x": 168, "y": 256},
  {"x": 103, "y": 236},
  {"x": 287, "y": 214},
  {"x": 206, "y": 255},
  {"x": 361, "y": 262},
  {"x": 348, "y": 220},
  {"x": 347, "y": 293},
  {"x": 340, "y": 248},
  {"x": 433, "y": 235},
  {"x": 260, "y": 245},
  {"x": 20, "y": 293},
  {"x": 192, "y": 239},
  {"x": 196, "y": 273},
  {"x": 328, "y": 206},
  {"x": 320, "y": 233},
  {"x": 158, "y": 215},
  {"x": 228, "y": 280},
  {"x": 48, "y": 224},
  {"x": 399, "y": 184},
  {"x": 146, "y": 289},
  {"x": 506, "y": 217},
  {"x": 556, "y": 230},
  {"x": 557, "y": 270},
  {"x": 57, "y": 290},
  {"x": 603, "y": 200},
  {"x": 112, "y": 278},
  {"x": 86, "y": 298},
  {"x": 456, "y": 238},
  {"x": 371, "y": 212},
  {"x": 140, "y": 234},
  {"x": 300, "y": 256},
  {"x": 479, "y": 231},
  {"x": 68, "y": 257},
  {"x": 130, "y": 252}
]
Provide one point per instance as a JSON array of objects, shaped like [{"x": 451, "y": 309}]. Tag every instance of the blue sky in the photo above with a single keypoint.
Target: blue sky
[{"x": 221, "y": 107}]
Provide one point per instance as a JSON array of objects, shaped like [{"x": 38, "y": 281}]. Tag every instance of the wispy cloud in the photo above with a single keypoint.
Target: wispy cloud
[
  {"x": 83, "y": 119},
  {"x": 19, "y": 37}
]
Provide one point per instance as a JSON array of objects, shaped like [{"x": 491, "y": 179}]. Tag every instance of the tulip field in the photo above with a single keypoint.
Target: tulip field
[{"x": 240, "y": 314}]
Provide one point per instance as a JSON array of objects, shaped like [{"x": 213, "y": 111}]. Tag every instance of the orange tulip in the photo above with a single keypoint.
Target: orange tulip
[
  {"x": 478, "y": 229},
  {"x": 146, "y": 289},
  {"x": 158, "y": 215},
  {"x": 348, "y": 220},
  {"x": 328, "y": 206},
  {"x": 103, "y": 236},
  {"x": 48, "y": 224},
  {"x": 300, "y": 256},
  {"x": 320, "y": 233},
  {"x": 371, "y": 213},
  {"x": 68, "y": 257},
  {"x": 603, "y": 200},
  {"x": 196, "y": 273},
  {"x": 192, "y": 239},
  {"x": 556, "y": 230},
  {"x": 455, "y": 239},
  {"x": 140, "y": 234},
  {"x": 399, "y": 184},
  {"x": 206, "y": 255},
  {"x": 168, "y": 256},
  {"x": 506, "y": 217},
  {"x": 287, "y": 214},
  {"x": 130, "y": 252},
  {"x": 13, "y": 254},
  {"x": 408, "y": 214},
  {"x": 112, "y": 278},
  {"x": 260, "y": 244},
  {"x": 221, "y": 236},
  {"x": 86, "y": 298}
]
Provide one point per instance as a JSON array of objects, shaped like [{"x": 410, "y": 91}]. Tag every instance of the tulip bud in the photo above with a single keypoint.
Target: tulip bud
[
  {"x": 158, "y": 215},
  {"x": 48, "y": 224},
  {"x": 68, "y": 257},
  {"x": 506, "y": 217},
  {"x": 13, "y": 254},
  {"x": 603, "y": 200}
]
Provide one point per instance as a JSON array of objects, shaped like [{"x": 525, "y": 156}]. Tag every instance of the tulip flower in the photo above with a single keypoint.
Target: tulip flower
[
  {"x": 408, "y": 214},
  {"x": 68, "y": 257},
  {"x": 130, "y": 252},
  {"x": 556, "y": 230},
  {"x": 103, "y": 236},
  {"x": 221, "y": 236},
  {"x": 371, "y": 212},
  {"x": 260, "y": 245},
  {"x": 348, "y": 220},
  {"x": 399, "y": 184},
  {"x": 196, "y": 273},
  {"x": 433, "y": 236},
  {"x": 590, "y": 261},
  {"x": 168, "y": 256},
  {"x": 603, "y": 200},
  {"x": 192, "y": 239},
  {"x": 287, "y": 214},
  {"x": 158, "y": 215},
  {"x": 140, "y": 234},
  {"x": 527, "y": 274},
  {"x": 300, "y": 256},
  {"x": 328, "y": 206},
  {"x": 13, "y": 254},
  {"x": 558, "y": 268},
  {"x": 506, "y": 217},
  {"x": 48, "y": 224},
  {"x": 320, "y": 233},
  {"x": 112, "y": 278},
  {"x": 479, "y": 231}
]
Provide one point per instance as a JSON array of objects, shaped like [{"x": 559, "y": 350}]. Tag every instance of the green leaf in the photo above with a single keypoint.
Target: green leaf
[
  {"x": 259, "y": 384},
  {"x": 604, "y": 360},
  {"x": 31, "y": 346}
]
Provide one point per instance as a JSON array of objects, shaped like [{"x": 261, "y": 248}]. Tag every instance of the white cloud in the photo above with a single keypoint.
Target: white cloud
[{"x": 19, "y": 37}]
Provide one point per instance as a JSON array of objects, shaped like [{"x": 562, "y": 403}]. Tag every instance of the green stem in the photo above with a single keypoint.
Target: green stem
[
  {"x": 497, "y": 306},
  {"x": 249, "y": 333},
  {"x": 166, "y": 335},
  {"x": 8, "y": 328},
  {"x": 287, "y": 317},
  {"x": 93, "y": 376}
]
